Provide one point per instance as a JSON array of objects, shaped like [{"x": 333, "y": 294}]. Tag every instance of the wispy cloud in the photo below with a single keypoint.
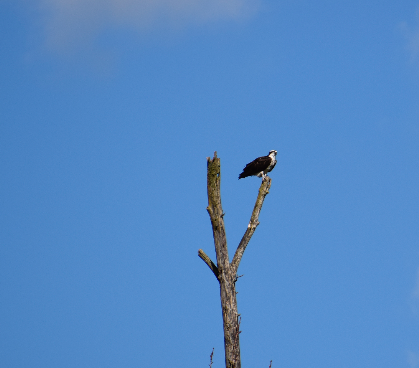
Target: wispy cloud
[
  {"x": 413, "y": 359},
  {"x": 414, "y": 295},
  {"x": 415, "y": 291},
  {"x": 413, "y": 356},
  {"x": 71, "y": 22},
  {"x": 411, "y": 33}
]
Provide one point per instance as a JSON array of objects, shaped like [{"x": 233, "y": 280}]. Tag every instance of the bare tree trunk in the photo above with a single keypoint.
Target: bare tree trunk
[{"x": 224, "y": 271}]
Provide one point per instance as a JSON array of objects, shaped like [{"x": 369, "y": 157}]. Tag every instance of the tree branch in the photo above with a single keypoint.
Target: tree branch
[
  {"x": 225, "y": 276},
  {"x": 208, "y": 261},
  {"x": 224, "y": 271},
  {"x": 216, "y": 213},
  {"x": 263, "y": 191}
]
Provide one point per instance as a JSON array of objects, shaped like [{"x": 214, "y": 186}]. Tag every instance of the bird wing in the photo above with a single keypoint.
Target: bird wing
[{"x": 256, "y": 166}]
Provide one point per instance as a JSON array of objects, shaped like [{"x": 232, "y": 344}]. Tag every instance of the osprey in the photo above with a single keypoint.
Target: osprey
[{"x": 261, "y": 166}]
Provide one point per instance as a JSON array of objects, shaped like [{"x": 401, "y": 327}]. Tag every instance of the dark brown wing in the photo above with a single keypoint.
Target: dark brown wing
[{"x": 255, "y": 167}]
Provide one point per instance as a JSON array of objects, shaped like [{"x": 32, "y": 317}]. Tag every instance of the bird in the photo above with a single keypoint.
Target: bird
[{"x": 260, "y": 166}]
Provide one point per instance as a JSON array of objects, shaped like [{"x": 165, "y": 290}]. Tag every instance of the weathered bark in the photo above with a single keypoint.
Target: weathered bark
[
  {"x": 253, "y": 224},
  {"x": 225, "y": 272}
]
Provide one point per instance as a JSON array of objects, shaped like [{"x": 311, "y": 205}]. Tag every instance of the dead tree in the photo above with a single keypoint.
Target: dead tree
[{"x": 224, "y": 271}]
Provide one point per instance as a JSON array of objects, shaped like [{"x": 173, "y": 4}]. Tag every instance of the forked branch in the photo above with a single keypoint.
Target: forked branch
[
  {"x": 224, "y": 271},
  {"x": 253, "y": 223}
]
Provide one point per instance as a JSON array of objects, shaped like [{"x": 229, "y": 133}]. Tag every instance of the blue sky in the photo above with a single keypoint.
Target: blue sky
[{"x": 109, "y": 110}]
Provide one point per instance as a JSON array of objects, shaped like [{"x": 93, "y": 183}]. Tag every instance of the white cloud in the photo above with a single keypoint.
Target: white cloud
[
  {"x": 70, "y": 23},
  {"x": 412, "y": 356},
  {"x": 415, "y": 292},
  {"x": 412, "y": 35},
  {"x": 413, "y": 359},
  {"x": 414, "y": 296}
]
